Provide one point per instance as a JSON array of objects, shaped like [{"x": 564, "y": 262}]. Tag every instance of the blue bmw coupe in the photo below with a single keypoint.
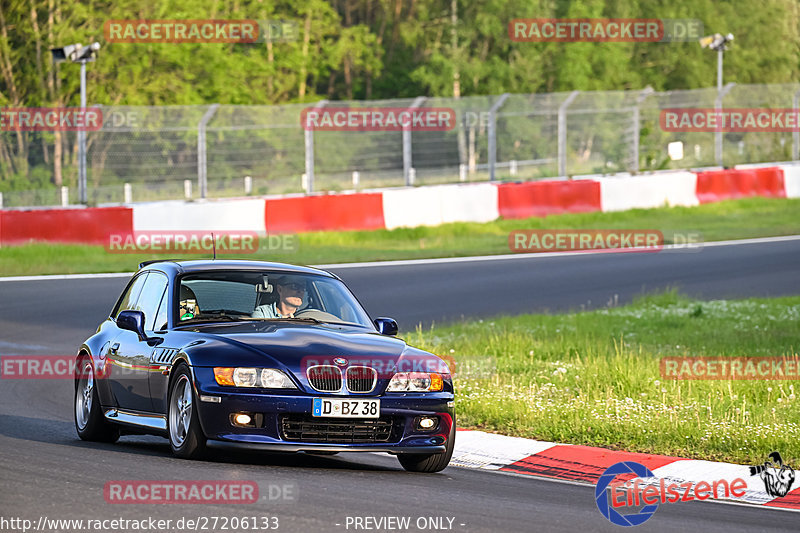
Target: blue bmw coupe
[{"x": 262, "y": 356}]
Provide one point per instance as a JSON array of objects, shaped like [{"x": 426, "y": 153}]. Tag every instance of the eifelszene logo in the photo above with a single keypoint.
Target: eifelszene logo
[
  {"x": 606, "y": 507},
  {"x": 777, "y": 477},
  {"x": 639, "y": 491}
]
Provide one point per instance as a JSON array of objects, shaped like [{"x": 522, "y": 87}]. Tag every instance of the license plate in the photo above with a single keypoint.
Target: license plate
[{"x": 335, "y": 408}]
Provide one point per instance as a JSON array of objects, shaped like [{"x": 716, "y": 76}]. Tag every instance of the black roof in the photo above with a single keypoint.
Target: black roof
[{"x": 205, "y": 265}]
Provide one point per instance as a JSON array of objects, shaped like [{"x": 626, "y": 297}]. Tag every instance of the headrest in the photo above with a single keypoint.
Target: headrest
[{"x": 187, "y": 293}]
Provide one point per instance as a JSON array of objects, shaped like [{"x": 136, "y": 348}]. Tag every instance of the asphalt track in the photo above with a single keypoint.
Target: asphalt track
[{"x": 45, "y": 470}]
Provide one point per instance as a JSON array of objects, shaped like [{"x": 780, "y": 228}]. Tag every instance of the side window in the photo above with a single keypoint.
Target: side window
[
  {"x": 150, "y": 298},
  {"x": 131, "y": 295}
]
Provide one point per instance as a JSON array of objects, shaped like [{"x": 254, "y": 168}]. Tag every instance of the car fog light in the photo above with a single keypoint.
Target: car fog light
[
  {"x": 242, "y": 420},
  {"x": 427, "y": 423}
]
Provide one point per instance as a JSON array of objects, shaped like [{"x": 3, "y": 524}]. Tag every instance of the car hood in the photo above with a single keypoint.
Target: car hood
[{"x": 289, "y": 344}]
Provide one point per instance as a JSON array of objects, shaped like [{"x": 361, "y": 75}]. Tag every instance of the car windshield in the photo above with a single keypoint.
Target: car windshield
[{"x": 267, "y": 295}]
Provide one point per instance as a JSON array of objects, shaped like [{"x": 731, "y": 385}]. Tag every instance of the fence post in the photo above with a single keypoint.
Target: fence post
[
  {"x": 718, "y": 135},
  {"x": 1, "y": 200},
  {"x": 248, "y": 185},
  {"x": 647, "y": 91},
  {"x": 356, "y": 177},
  {"x": 418, "y": 101},
  {"x": 202, "y": 169},
  {"x": 187, "y": 189},
  {"x": 127, "y": 194},
  {"x": 64, "y": 196},
  {"x": 562, "y": 133},
  {"x": 795, "y": 133},
  {"x": 493, "y": 133},
  {"x": 308, "y": 179}
]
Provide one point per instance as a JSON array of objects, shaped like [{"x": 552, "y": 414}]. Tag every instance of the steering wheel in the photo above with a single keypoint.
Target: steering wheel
[{"x": 317, "y": 314}]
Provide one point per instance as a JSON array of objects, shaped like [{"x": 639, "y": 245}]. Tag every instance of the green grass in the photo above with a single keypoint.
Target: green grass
[
  {"x": 753, "y": 217},
  {"x": 593, "y": 378}
]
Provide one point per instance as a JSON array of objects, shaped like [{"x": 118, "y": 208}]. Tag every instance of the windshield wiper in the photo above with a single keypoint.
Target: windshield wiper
[
  {"x": 301, "y": 319},
  {"x": 213, "y": 318}
]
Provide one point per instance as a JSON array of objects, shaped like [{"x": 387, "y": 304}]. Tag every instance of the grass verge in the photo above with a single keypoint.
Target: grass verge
[
  {"x": 593, "y": 378},
  {"x": 737, "y": 219}
]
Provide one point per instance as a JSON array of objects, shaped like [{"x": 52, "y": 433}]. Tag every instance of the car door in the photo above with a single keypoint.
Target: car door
[
  {"x": 118, "y": 373},
  {"x": 131, "y": 356},
  {"x": 160, "y": 357}
]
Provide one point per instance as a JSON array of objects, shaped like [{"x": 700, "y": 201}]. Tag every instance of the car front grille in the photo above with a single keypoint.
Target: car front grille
[
  {"x": 304, "y": 428},
  {"x": 361, "y": 378},
  {"x": 325, "y": 378}
]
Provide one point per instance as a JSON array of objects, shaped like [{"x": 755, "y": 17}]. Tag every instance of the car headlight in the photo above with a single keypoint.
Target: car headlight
[
  {"x": 415, "y": 382},
  {"x": 268, "y": 378},
  {"x": 275, "y": 379}
]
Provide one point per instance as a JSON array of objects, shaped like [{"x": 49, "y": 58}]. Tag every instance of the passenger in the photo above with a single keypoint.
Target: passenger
[
  {"x": 188, "y": 307},
  {"x": 290, "y": 294}
]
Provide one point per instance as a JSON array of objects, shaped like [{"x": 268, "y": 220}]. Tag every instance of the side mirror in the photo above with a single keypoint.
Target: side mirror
[
  {"x": 386, "y": 326},
  {"x": 134, "y": 321}
]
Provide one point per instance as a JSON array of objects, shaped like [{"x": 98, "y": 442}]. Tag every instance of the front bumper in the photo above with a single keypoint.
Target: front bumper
[
  {"x": 273, "y": 409},
  {"x": 394, "y": 450}
]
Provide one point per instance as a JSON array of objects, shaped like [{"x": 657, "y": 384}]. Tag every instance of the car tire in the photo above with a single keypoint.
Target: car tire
[
  {"x": 434, "y": 462},
  {"x": 90, "y": 423},
  {"x": 183, "y": 425}
]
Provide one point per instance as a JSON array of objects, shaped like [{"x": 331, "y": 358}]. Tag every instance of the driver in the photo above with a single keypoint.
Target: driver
[{"x": 291, "y": 292}]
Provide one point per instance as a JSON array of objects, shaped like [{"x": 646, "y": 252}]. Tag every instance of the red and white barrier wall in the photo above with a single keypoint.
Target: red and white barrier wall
[
  {"x": 403, "y": 207},
  {"x": 658, "y": 190},
  {"x": 89, "y": 226}
]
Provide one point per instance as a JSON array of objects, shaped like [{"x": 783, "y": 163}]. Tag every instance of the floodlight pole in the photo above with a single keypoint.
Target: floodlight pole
[
  {"x": 796, "y": 133},
  {"x": 722, "y": 91},
  {"x": 78, "y": 54},
  {"x": 718, "y": 135},
  {"x": 82, "y": 193},
  {"x": 718, "y": 43}
]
